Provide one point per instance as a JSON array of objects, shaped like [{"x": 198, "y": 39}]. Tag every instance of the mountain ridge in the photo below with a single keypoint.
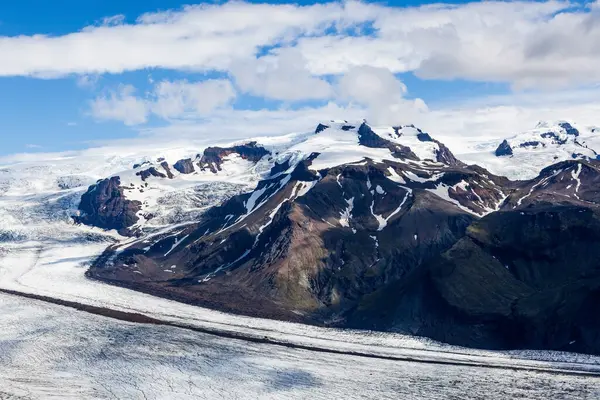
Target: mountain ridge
[{"x": 317, "y": 239}]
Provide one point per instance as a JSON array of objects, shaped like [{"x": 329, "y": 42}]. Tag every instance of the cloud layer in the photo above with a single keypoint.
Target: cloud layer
[
  {"x": 168, "y": 100},
  {"x": 526, "y": 44}
]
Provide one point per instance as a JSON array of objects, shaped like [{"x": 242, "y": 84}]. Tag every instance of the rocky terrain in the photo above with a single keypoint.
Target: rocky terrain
[{"x": 384, "y": 229}]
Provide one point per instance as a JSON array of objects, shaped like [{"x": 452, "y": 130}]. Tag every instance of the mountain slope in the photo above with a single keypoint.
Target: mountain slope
[
  {"x": 316, "y": 236},
  {"x": 524, "y": 277}
]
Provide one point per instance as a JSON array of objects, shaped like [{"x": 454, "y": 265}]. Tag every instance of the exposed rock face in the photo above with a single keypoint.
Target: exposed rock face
[
  {"x": 556, "y": 139},
  {"x": 569, "y": 129},
  {"x": 185, "y": 166},
  {"x": 321, "y": 128},
  {"x": 368, "y": 138},
  {"x": 424, "y": 137},
  {"x": 152, "y": 171},
  {"x": 531, "y": 143},
  {"x": 504, "y": 149},
  {"x": 212, "y": 159},
  {"x": 105, "y": 206},
  {"x": 444, "y": 155},
  {"x": 567, "y": 182},
  {"x": 167, "y": 169}
]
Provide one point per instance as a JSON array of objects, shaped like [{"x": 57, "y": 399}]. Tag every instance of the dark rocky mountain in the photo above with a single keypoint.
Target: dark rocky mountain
[
  {"x": 104, "y": 205},
  {"x": 185, "y": 166},
  {"x": 504, "y": 149},
  {"x": 424, "y": 246}
]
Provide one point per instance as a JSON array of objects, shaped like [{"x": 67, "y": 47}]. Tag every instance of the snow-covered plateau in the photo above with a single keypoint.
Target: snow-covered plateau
[
  {"x": 52, "y": 351},
  {"x": 530, "y": 151}
]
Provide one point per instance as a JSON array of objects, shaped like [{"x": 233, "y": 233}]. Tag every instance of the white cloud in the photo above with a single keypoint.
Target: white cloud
[
  {"x": 291, "y": 53},
  {"x": 283, "y": 76},
  {"x": 381, "y": 93},
  {"x": 175, "y": 99},
  {"x": 167, "y": 100},
  {"x": 202, "y": 37},
  {"x": 528, "y": 44},
  {"x": 502, "y": 116},
  {"x": 120, "y": 105},
  {"x": 242, "y": 124}
]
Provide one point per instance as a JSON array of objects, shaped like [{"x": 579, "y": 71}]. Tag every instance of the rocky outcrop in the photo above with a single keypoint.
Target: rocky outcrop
[
  {"x": 444, "y": 155},
  {"x": 104, "y": 205},
  {"x": 567, "y": 182},
  {"x": 504, "y": 149},
  {"x": 555, "y": 138},
  {"x": 185, "y": 166},
  {"x": 139, "y": 165},
  {"x": 212, "y": 158},
  {"x": 423, "y": 137},
  {"x": 531, "y": 143},
  {"x": 320, "y": 128},
  {"x": 569, "y": 129},
  {"x": 368, "y": 138},
  {"x": 165, "y": 166},
  {"x": 152, "y": 171}
]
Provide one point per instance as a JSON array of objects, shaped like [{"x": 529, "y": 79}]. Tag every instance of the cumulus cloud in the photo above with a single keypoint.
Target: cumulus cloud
[
  {"x": 167, "y": 100},
  {"x": 527, "y": 44},
  {"x": 176, "y": 99},
  {"x": 283, "y": 76},
  {"x": 202, "y": 37},
  {"x": 120, "y": 105},
  {"x": 381, "y": 93}
]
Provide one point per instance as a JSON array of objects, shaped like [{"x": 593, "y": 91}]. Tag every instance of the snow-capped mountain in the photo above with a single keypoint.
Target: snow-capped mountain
[
  {"x": 137, "y": 199},
  {"x": 524, "y": 155},
  {"x": 348, "y": 225}
]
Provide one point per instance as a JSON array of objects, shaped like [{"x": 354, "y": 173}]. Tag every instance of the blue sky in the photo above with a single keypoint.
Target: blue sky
[{"x": 86, "y": 72}]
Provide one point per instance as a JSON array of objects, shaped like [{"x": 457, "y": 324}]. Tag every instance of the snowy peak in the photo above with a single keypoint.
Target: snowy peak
[
  {"x": 420, "y": 143},
  {"x": 562, "y": 126},
  {"x": 524, "y": 155},
  {"x": 145, "y": 191},
  {"x": 402, "y": 142},
  {"x": 561, "y": 137}
]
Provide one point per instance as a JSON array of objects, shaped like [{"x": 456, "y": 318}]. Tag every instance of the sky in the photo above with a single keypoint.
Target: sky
[{"x": 76, "y": 74}]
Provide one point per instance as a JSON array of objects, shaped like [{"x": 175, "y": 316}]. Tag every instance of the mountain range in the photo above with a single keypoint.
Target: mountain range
[{"x": 355, "y": 226}]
